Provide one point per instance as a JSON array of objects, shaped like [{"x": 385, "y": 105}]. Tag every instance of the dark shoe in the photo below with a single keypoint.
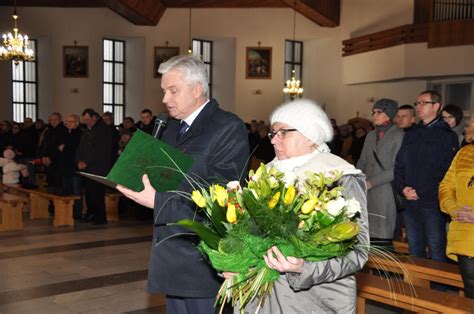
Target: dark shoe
[
  {"x": 100, "y": 222},
  {"x": 89, "y": 218}
]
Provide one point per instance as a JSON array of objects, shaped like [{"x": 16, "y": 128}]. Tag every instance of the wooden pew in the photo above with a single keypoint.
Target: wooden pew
[
  {"x": 400, "y": 246},
  {"x": 420, "y": 271},
  {"x": 11, "y": 207},
  {"x": 399, "y": 294},
  {"x": 111, "y": 205},
  {"x": 39, "y": 202}
]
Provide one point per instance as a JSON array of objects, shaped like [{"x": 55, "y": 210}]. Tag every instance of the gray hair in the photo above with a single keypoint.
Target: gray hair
[{"x": 192, "y": 67}]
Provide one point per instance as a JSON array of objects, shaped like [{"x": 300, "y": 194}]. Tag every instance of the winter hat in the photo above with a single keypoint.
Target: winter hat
[
  {"x": 307, "y": 117},
  {"x": 389, "y": 106},
  {"x": 9, "y": 154}
]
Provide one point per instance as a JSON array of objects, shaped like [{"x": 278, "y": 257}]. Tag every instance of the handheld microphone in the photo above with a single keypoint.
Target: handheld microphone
[{"x": 160, "y": 124}]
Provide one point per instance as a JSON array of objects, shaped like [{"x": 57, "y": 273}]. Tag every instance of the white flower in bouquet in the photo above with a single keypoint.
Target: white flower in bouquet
[
  {"x": 334, "y": 207},
  {"x": 273, "y": 182},
  {"x": 290, "y": 178},
  {"x": 234, "y": 186},
  {"x": 352, "y": 207}
]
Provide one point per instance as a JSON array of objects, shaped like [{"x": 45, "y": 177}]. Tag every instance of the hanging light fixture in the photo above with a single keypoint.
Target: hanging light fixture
[
  {"x": 293, "y": 86},
  {"x": 15, "y": 46},
  {"x": 190, "y": 49}
]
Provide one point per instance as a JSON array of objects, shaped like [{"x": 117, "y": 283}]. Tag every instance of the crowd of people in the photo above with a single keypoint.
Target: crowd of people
[
  {"x": 63, "y": 147},
  {"x": 394, "y": 167}
]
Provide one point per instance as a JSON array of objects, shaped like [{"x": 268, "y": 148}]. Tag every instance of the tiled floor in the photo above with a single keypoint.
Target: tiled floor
[{"x": 84, "y": 269}]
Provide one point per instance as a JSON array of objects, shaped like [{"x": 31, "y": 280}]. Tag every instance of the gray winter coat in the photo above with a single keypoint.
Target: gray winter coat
[
  {"x": 326, "y": 286},
  {"x": 380, "y": 198}
]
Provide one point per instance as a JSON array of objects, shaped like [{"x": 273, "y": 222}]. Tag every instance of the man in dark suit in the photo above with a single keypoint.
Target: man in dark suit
[
  {"x": 49, "y": 152},
  {"x": 217, "y": 141},
  {"x": 94, "y": 155}
]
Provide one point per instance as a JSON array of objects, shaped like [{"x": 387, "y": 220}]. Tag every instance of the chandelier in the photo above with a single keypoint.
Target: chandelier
[
  {"x": 293, "y": 86},
  {"x": 15, "y": 46}
]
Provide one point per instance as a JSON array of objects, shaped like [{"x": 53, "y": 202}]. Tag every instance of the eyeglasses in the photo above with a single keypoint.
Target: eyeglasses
[
  {"x": 423, "y": 102},
  {"x": 377, "y": 112},
  {"x": 280, "y": 133},
  {"x": 448, "y": 117}
]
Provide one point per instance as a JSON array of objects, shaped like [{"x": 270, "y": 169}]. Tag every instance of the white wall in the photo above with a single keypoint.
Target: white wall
[{"x": 233, "y": 30}]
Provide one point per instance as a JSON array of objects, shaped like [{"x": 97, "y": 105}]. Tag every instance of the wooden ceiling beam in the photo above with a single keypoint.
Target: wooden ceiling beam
[
  {"x": 323, "y": 12},
  {"x": 148, "y": 12},
  {"x": 139, "y": 12},
  {"x": 55, "y": 3},
  {"x": 224, "y": 4}
]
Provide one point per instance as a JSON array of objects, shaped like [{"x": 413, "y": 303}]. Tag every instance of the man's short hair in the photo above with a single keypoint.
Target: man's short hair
[
  {"x": 409, "y": 108},
  {"x": 193, "y": 69},
  {"x": 130, "y": 119},
  {"x": 435, "y": 96},
  {"x": 147, "y": 111},
  {"x": 108, "y": 114},
  {"x": 91, "y": 112},
  {"x": 57, "y": 114}
]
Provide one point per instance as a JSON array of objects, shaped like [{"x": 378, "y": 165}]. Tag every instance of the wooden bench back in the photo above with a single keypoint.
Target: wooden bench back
[
  {"x": 421, "y": 270},
  {"x": 401, "y": 295},
  {"x": 40, "y": 192}
]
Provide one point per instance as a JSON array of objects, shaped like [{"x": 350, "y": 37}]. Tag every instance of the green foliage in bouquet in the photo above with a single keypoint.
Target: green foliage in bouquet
[{"x": 304, "y": 218}]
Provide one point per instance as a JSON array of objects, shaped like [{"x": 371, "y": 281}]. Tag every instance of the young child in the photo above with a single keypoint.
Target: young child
[{"x": 11, "y": 170}]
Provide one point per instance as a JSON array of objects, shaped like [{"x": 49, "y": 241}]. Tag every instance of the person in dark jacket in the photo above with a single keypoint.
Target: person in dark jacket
[
  {"x": 146, "y": 123},
  {"x": 94, "y": 155},
  {"x": 108, "y": 118},
  {"x": 422, "y": 161},
  {"x": 49, "y": 152},
  {"x": 30, "y": 138},
  {"x": 71, "y": 181},
  {"x": 264, "y": 152},
  {"x": 217, "y": 141}
]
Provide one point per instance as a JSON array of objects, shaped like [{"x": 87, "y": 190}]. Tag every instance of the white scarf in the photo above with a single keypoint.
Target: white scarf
[{"x": 320, "y": 160}]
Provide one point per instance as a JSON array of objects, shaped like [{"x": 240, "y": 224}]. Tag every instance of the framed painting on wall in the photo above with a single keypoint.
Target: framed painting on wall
[
  {"x": 258, "y": 63},
  {"x": 162, "y": 54},
  {"x": 76, "y": 61}
]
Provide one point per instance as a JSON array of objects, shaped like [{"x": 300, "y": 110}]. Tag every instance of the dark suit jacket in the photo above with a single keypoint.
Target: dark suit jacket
[
  {"x": 217, "y": 140},
  {"x": 423, "y": 160},
  {"x": 95, "y": 148}
]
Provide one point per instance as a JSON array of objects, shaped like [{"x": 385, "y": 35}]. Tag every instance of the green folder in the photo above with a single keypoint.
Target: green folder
[{"x": 165, "y": 165}]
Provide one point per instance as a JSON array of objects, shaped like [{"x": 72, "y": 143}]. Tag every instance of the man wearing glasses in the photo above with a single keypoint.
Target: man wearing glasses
[{"x": 423, "y": 159}]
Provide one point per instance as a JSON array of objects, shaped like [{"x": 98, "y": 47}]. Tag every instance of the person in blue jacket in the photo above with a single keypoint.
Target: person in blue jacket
[{"x": 421, "y": 163}]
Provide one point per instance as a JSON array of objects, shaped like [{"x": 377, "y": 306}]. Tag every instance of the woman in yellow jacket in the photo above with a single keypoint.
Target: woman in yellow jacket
[{"x": 456, "y": 197}]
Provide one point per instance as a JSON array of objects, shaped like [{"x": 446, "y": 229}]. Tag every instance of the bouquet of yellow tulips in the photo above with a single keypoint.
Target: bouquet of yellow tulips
[{"x": 307, "y": 218}]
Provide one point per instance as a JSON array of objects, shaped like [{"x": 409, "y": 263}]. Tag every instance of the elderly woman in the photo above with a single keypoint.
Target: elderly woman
[
  {"x": 377, "y": 161},
  {"x": 299, "y": 130},
  {"x": 456, "y": 198}
]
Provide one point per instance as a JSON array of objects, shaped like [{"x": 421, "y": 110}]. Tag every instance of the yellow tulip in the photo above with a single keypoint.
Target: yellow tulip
[
  {"x": 308, "y": 206},
  {"x": 274, "y": 200},
  {"x": 221, "y": 195},
  {"x": 290, "y": 195},
  {"x": 198, "y": 199},
  {"x": 231, "y": 214}
]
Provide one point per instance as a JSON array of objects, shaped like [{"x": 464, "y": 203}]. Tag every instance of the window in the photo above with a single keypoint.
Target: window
[
  {"x": 25, "y": 88},
  {"x": 114, "y": 78},
  {"x": 455, "y": 92},
  {"x": 203, "y": 49},
  {"x": 293, "y": 59}
]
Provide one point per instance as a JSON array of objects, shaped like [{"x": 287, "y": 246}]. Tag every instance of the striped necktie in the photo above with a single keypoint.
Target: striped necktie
[{"x": 183, "y": 128}]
